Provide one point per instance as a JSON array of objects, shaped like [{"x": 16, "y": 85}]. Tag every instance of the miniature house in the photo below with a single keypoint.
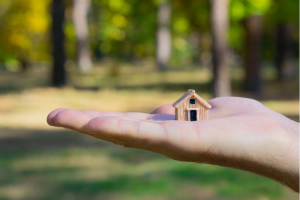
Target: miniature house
[{"x": 191, "y": 107}]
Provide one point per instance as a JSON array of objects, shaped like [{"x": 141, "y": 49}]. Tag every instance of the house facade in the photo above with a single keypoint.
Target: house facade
[{"x": 191, "y": 107}]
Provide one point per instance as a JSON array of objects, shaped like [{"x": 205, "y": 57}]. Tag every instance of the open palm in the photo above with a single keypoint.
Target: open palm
[{"x": 240, "y": 133}]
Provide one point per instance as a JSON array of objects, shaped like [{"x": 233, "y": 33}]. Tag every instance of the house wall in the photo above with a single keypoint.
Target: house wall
[
  {"x": 181, "y": 113},
  {"x": 176, "y": 113}
]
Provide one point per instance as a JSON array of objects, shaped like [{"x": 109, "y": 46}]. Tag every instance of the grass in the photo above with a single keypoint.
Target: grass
[{"x": 42, "y": 162}]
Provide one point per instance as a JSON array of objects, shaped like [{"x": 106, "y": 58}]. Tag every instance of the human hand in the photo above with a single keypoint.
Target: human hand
[{"x": 240, "y": 133}]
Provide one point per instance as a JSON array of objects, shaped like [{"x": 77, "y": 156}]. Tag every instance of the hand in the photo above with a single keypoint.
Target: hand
[{"x": 240, "y": 133}]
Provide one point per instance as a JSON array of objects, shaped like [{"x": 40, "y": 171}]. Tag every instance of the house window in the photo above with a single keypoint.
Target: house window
[
  {"x": 193, "y": 115},
  {"x": 192, "y": 101}
]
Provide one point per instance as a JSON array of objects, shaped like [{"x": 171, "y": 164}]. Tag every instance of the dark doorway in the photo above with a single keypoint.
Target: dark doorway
[{"x": 193, "y": 115}]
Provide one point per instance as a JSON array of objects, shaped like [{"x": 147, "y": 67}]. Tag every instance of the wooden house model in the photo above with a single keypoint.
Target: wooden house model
[{"x": 191, "y": 107}]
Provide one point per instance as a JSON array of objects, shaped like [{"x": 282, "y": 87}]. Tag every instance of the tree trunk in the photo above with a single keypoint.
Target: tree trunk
[
  {"x": 2, "y": 64},
  {"x": 58, "y": 51},
  {"x": 163, "y": 35},
  {"x": 24, "y": 63},
  {"x": 253, "y": 25},
  {"x": 284, "y": 58},
  {"x": 196, "y": 43},
  {"x": 219, "y": 28},
  {"x": 80, "y": 11}
]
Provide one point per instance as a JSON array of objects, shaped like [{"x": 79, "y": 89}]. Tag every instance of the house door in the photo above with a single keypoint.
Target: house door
[{"x": 193, "y": 115}]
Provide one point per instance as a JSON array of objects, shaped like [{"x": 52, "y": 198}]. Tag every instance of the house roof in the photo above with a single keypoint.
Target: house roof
[{"x": 191, "y": 93}]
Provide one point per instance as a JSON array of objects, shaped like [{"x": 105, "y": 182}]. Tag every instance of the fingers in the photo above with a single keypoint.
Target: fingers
[
  {"x": 72, "y": 119},
  {"x": 78, "y": 120},
  {"x": 126, "y": 129},
  {"x": 129, "y": 132},
  {"x": 133, "y": 115},
  {"x": 51, "y": 116},
  {"x": 179, "y": 140},
  {"x": 168, "y": 138},
  {"x": 147, "y": 135},
  {"x": 165, "y": 112},
  {"x": 164, "y": 109}
]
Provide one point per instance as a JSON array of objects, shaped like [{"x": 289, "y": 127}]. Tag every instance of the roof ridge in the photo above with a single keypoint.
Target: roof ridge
[{"x": 188, "y": 94}]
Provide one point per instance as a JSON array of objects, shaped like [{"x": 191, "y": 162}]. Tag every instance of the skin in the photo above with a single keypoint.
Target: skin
[{"x": 240, "y": 133}]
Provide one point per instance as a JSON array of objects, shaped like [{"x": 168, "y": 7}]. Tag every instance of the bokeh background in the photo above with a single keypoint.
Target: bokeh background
[{"x": 134, "y": 55}]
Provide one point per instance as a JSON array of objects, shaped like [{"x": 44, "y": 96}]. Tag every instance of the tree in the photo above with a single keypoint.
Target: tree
[
  {"x": 24, "y": 30},
  {"x": 80, "y": 11},
  {"x": 58, "y": 78},
  {"x": 253, "y": 27},
  {"x": 219, "y": 28},
  {"x": 282, "y": 17},
  {"x": 163, "y": 35},
  {"x": 284, "y": 57},
  {"x": 122, "y": 29},
  {"x": 250, "y": 12},
  {"x": 190, "y": 23}
]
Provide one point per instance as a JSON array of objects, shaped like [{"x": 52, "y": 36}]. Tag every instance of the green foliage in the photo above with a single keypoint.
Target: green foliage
[
  {"x": 283, "y": 12},
  {"x": 23, "y": 28},
  {"x": 279, "y": 11},
  {"x": 125, "y": 29},
  {"x": 181, "y": 25},
  {"x": 240, "y": 9}
]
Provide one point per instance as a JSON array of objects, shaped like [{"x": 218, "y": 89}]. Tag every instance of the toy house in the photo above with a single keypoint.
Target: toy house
[{"x": 191, "y": 107}]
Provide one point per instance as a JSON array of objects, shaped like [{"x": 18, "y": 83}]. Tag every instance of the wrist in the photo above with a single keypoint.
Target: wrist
[
  {"x": 290, "y": 163},
  {"x": 284, "y": 164}
]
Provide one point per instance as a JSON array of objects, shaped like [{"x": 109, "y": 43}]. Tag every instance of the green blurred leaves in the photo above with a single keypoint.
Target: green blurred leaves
[
  {"x": 125, "y": 28},
  {"x": 240, "y": 9},
  {"x": 24, "y": 27},
  {"x": 181, "y": 25}
]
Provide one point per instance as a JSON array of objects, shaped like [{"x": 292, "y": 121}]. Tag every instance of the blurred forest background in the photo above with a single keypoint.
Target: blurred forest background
[{"x": 134, "y": 55}]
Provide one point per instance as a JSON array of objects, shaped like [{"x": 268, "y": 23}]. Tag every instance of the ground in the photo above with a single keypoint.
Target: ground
[{"x": 42, "y": 162}]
